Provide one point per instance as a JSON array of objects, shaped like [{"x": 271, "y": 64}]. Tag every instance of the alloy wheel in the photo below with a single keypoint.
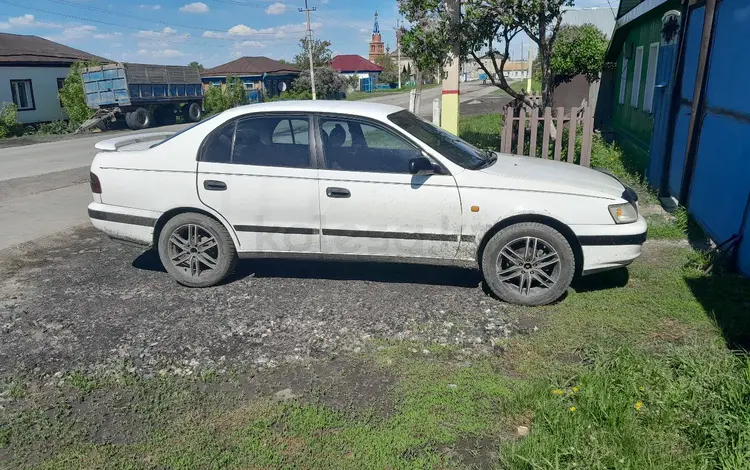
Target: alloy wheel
[
  {"x": 529, "y": 265},
  {"x": 193, "y": 250}
]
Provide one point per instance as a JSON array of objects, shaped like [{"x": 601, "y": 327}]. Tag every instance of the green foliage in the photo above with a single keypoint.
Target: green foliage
[
  {"x": 9, "y": 126},
  {"x": 482, "y": 131},
  {"x": 215, "y": 100},
  {"x": 55, "y": 128},
  {"x": 236, "y": 92},
  {"x": 329, "y": 85},
  {"x": 196, "y": 65},
  {"x": 290, "y": 95},
  {"x": 578, "y": 50},
  {"x": 390, "y": 69},
  {"x": 321, "y": 52},
  {"x": 72, "y": 95},
  {"x": 484, "y": 24},
  {"x": 221, "y": 98}
]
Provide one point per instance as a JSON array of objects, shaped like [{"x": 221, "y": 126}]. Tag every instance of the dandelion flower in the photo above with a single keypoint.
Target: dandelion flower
[
  {"x": 557, "y": 391},
  {"x": 638, "y": 405},
  {"x": 575, "y": 389},
  {"x": 572, "y": 409}
]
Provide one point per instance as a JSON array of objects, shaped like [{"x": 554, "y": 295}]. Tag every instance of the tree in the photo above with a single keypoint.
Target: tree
[
  {"x": 329, "y": 85},
  {"x": 579, "y": 50},
  {"x": 484, "y": 24},
  {"x": 72, "y": 95},
  {"x": 321, "y": 53},
  {"x": 196, "y": 65},
  {"x": 390, "y": 69}
]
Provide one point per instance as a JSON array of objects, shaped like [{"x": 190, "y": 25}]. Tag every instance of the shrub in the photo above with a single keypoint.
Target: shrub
[
  {"x": 9, "y": 126},
  {"x": 55, "y": 127},
  {"x": 72, "y": 95},
  {"x": 329, "y": 85},
  {"x": 291, "y": 95},
  {"x": 215, "y": 101}
]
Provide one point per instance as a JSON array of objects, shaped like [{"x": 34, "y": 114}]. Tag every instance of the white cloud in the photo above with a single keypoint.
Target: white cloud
[
  {"x": 166, "y": 33},
  {"x": 196, "y": 7},
  {"x": 161, "y": 53},
  {"x": 276, "y": 9},
  {"x": 277, "y": 31},
  {"x": 213, "y": 34},
  {"x": 27, "y": 21},
  {"x": 151, "y": 7},
  {"x": 78, "y": 32},
  {"x": 249, "y": 44}
]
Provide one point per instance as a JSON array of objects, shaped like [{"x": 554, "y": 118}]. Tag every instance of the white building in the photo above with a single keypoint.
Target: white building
[{"x": 32, "y": 70}]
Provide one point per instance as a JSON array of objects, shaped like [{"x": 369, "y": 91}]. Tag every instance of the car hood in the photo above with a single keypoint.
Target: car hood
[{"x": 552, "y": 176}]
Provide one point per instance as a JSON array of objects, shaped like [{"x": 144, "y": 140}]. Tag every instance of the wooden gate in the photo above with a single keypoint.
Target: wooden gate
[{"x": 572, "y": 127}]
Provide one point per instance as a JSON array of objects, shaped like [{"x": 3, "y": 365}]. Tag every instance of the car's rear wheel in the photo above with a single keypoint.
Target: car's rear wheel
[
  {"x": 196, "y": 250},
  {"x": 528, "y": 264}
]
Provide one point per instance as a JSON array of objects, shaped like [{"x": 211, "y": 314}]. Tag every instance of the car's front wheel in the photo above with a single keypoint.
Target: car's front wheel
[
  {"x": 528, "y": 264},
  {"x": 196, "y": 250}
]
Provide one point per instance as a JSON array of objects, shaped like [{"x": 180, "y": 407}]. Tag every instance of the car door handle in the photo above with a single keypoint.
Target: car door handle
[
  {"x": 338, "y": 192},
  {"x": 213, "y": 185}
]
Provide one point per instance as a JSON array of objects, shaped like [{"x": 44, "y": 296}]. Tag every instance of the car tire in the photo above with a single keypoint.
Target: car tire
[
  {"x": 186, "y": 257},
  {"x": 520, "y": 274},
  {"x": 140, "y": 119},
  {"x": 192, "y": 112}
]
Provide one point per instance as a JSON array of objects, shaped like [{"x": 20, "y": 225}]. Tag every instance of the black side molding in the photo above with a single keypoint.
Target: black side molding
[
  {"x": 612, "y": 240},
  {"x": 122, "y": 218}
]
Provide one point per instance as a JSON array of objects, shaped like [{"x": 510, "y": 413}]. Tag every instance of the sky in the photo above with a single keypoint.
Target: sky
[{"x": 211, "y": 32}]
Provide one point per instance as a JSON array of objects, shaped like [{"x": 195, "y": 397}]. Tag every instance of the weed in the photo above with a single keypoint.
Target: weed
[{"x": 83, "y": 382}]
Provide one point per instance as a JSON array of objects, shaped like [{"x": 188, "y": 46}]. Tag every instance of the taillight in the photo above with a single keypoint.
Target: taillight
[{"x": 96, "y": 185}]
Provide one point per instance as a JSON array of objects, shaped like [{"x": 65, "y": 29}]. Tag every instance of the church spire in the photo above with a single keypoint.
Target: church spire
[{"x": 376, "y": 27}]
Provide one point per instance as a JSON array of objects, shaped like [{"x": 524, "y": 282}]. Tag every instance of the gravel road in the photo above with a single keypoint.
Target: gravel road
[{"x": 78, "y": 301}]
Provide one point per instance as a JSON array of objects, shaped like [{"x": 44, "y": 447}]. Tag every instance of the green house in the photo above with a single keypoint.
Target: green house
[{"x": 626, "y": 99}]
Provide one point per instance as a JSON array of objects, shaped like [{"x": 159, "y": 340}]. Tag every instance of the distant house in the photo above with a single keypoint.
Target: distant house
[
  {"x": 351, "y": 65},
  {"x": 262, "y": 76},
  {"x": 32, "y": 70}
]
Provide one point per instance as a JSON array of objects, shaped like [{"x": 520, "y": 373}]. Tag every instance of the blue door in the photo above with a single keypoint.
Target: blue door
[
  {"x": 692, "y": 39},
  {"x": 662, "y": 99}
]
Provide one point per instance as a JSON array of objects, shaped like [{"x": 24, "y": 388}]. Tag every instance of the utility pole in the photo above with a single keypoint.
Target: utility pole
[
  {"x": 307, "y": 11},
  {"x": 451, "y": 84},
  {"x": 531, "y": 59},
  {"x": 398, "y": 49}
]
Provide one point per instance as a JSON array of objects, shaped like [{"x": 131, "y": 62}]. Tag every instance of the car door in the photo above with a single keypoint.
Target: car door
[
  {"x": 258, "y": 172},
  {"x": 369, "y": 202}
]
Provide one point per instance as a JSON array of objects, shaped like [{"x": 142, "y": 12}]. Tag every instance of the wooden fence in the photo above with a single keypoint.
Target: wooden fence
[{"x": 576, "y": 124}]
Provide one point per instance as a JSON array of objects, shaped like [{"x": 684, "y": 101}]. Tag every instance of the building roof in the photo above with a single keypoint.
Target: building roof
[
  {"x": 515, "y": 65},
  {"x": 249, "y": 66},
  {"x": 602, "y": 18},
  {"x": 353, "y": 63},
  {"x": 33, "y": 50}
]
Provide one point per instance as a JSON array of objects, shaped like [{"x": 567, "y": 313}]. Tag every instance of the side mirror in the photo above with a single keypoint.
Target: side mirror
[{"x": 421, "y": 166}]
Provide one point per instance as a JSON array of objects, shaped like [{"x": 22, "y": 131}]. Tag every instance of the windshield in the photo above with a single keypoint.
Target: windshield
[{"x": 448, "y": 145}]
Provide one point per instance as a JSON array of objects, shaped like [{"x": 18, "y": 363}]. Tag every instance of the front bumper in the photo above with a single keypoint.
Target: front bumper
[{"x": 610, "y": 246}]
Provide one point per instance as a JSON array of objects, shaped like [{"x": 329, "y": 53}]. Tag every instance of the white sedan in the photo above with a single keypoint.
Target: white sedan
[{"x": 349, "y": 180}]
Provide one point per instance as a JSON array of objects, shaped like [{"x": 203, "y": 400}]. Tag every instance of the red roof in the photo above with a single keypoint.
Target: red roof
[{"x": 353, "y": 63}]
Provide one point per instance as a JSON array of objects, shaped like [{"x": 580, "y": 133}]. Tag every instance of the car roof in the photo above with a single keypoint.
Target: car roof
[{"x": 355, "y": 108}]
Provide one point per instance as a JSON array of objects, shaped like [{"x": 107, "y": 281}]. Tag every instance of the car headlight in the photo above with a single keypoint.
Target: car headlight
[{"x": 624, "y": 213}]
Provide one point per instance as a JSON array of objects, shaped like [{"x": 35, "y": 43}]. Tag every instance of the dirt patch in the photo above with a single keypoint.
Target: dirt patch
[{"x": 83, "y": 302}]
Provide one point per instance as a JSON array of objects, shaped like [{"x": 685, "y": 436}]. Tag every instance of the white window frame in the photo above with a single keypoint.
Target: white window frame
[
  {"x": 623, "y": 79},
  {"x": 635, "y": 95},
  {"x": 15, "y": 85},
  {"x": 653, "y": 66}
]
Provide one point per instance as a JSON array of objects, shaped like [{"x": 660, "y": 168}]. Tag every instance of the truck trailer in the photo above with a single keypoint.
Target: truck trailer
[{"x": 142, "y": 95}]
